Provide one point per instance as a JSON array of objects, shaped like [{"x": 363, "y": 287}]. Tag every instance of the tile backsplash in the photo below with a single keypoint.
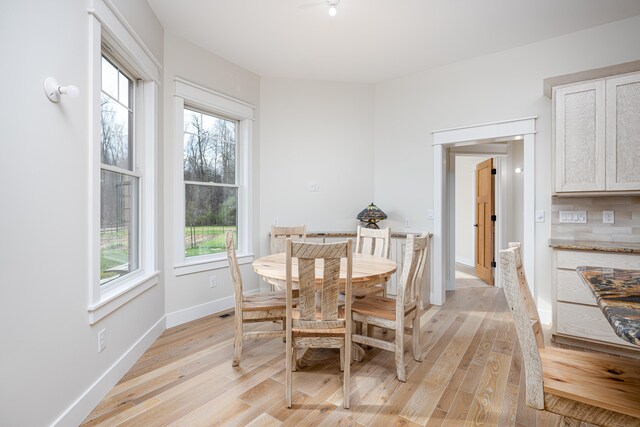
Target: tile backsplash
[{"x": 627, "y": 218}]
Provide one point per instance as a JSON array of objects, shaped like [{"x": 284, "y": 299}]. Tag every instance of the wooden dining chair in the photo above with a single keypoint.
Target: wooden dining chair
[
  {"x": 279, "y": 236},
  {"x": 395, "y": 314},
  {"x": 322, "y": 323},
  {"x": 377, "y": 242},
  {"x": 592, "y": 387},
  {"x": 259, "y": 307}
]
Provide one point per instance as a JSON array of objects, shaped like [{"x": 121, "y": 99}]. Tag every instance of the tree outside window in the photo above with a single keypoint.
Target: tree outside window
[{"x": 211, "y": 188}]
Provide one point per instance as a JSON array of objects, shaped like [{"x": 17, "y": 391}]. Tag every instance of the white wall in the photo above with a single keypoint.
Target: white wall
[
  {"x": 190, "y": 295},
  {"x": 515, "y": 232},
  {"x": 465, "y": 195},
  {"x": 505, "y": 85},
  {"x": 315, "y": 131},
  {"x": 49, "y": 353}
]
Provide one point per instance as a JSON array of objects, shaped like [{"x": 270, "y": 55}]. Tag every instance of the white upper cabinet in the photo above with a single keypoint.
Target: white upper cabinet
[
  {"x": 623, "y": 133},
  {"x": 597, "y": 135},
  {"x": 580, "y": 137}
]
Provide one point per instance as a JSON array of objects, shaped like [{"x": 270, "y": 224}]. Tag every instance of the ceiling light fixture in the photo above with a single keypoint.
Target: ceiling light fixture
[{"x": 333, "y": 4}]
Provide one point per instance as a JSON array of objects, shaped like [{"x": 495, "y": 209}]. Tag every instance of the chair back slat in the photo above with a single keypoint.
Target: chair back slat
[
  {"x": 279, "y": 236},
  {"x": 307, "y": 293},
  {"x": 235, "y": 272},
  {"x": 327, "y": 314},
  {"x": 416, "y": 250},
  {"x": 371, "y": 241},
  {"x": 529, "y": 302},
  {"x": 521, "y": 303},
  {"x": 331, "y": 276}
]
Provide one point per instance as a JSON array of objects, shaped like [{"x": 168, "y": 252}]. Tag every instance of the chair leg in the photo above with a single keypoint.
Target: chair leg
[
  {"x": 288, "y": 374},
  {"x": 294, "y": 360},
  {"x": 341, "y": 359},
  {"x": 237, "y": 343},
  {"x": 415, "y": 337},
  {"x": 347, "y": 373},
  {"x": 400, "y": 368},
  {"x": 384, "y": 294},
  {"x": 569, "y": 422}
]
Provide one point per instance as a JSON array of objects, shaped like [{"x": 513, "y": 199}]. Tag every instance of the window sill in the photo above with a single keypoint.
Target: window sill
[
  {"x": 209, "y": 264},
  {"x": 115, "y": 298}
]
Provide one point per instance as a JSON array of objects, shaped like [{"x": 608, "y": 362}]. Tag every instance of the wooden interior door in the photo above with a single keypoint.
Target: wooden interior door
[{"x": 484, "y": 221}]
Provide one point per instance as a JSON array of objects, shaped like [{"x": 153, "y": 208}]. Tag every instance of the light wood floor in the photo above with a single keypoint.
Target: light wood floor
[{"x": 471, "y": 375}]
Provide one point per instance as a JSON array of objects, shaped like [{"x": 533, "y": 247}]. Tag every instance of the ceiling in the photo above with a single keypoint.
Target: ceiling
[{"x": 373, "y": 40}]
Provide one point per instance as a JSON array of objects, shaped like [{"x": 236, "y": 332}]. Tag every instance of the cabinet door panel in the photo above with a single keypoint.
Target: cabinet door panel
[
  {"x": 580, "y": 137},
  {"x": 623, "y": 133},
  {"x": 586, "y": 322},
  {"x": 571, "y": 288},
  {"x": 569, "y": 260}
]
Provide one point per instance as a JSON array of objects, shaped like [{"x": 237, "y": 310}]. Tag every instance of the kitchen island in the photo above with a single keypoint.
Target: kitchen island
[{"x": 617, "y": 292}]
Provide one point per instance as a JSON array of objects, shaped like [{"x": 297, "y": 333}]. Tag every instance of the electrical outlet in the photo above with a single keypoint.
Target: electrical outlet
[
  {"x": 573, "y": 217},
  {"x": 314, "y": 186},
  {"x": 275, "y": 221},
  {"x": 608, "y": 217},
  {"x": 102, "y": 340},
  {"x": 430, "y": 214},
  {"x": 213, "y": 282},
  {"x": 407, "y": 223}
]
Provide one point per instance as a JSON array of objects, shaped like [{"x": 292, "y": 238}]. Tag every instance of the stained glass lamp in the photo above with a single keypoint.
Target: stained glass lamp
[{"x": 371, "y": 215}]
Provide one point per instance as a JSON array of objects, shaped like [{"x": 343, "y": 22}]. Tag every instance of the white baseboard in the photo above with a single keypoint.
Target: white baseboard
[
  {"x": 466, "y": 261},
  {"x": 78, "y": 411},
  {"x": 197, "y": 311}
]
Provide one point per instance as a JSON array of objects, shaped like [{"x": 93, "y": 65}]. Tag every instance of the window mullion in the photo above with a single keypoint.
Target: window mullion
[
  {"x": 122, "y": 171},
  {"x": 211, "y": 184}
]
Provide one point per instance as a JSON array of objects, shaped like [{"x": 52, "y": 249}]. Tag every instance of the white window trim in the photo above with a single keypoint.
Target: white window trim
[
  {"x": 106, "y": 24},
  {"x": 208, "y": 100}
]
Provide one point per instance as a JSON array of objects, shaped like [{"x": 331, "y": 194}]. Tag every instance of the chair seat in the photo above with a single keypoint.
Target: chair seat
[
  {"x": 608, "y": 382},
  {"x": 375, "y": 306},
  {"x": 364, "y": 292},
  {"x": 264, "y": 301},
  {"x": 299, "y": 332}
]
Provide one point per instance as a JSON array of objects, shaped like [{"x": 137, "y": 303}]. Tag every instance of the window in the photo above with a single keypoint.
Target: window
[
  {"x": 211, "y": 190},
  {"x": 212, "y": 167},
  {"x": 119, "y": 183},
  {"x": 123, "y": 85}
]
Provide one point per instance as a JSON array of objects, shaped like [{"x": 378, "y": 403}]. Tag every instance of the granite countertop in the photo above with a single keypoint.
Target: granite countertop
[
  {"x": 587, "y": 245},
  {"x": 618, "y": 295}
]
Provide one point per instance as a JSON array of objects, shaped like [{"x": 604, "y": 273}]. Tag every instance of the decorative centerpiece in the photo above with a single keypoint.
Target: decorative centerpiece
[{"x": 371, "y": 215}]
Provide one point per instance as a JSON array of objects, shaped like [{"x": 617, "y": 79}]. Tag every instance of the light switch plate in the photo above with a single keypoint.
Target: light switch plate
[
  {"x": 540, "y": 216},
  {"x": 608, "y": 217},
  {"x": 573, "y": 217}
]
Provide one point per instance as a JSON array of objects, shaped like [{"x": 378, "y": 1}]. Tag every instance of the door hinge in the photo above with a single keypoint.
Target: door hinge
[
  {"x": 493, "y": 264},
  {"x": 494, "y": 171},
  {"x": 494, "y": 218}
]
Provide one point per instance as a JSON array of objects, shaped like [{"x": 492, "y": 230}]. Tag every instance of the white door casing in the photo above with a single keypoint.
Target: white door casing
[{"x": 443, "y": 140}]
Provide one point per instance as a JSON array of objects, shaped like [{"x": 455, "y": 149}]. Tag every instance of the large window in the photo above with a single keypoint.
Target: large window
[
  {"x": 119, "y": 183},
  {"x": 211, "y": 189},
  {"x": 212, "y": 167},
  {"x": 123, "y": 85}
]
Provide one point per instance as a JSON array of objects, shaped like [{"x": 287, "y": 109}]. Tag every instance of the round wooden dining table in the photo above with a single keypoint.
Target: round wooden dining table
[{"x": 368, "y": 270}]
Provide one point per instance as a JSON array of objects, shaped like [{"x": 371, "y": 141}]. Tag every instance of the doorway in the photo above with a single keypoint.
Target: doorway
[
  {"x": 474, "y": 218},
  {"x": 477, "y": 139}
]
